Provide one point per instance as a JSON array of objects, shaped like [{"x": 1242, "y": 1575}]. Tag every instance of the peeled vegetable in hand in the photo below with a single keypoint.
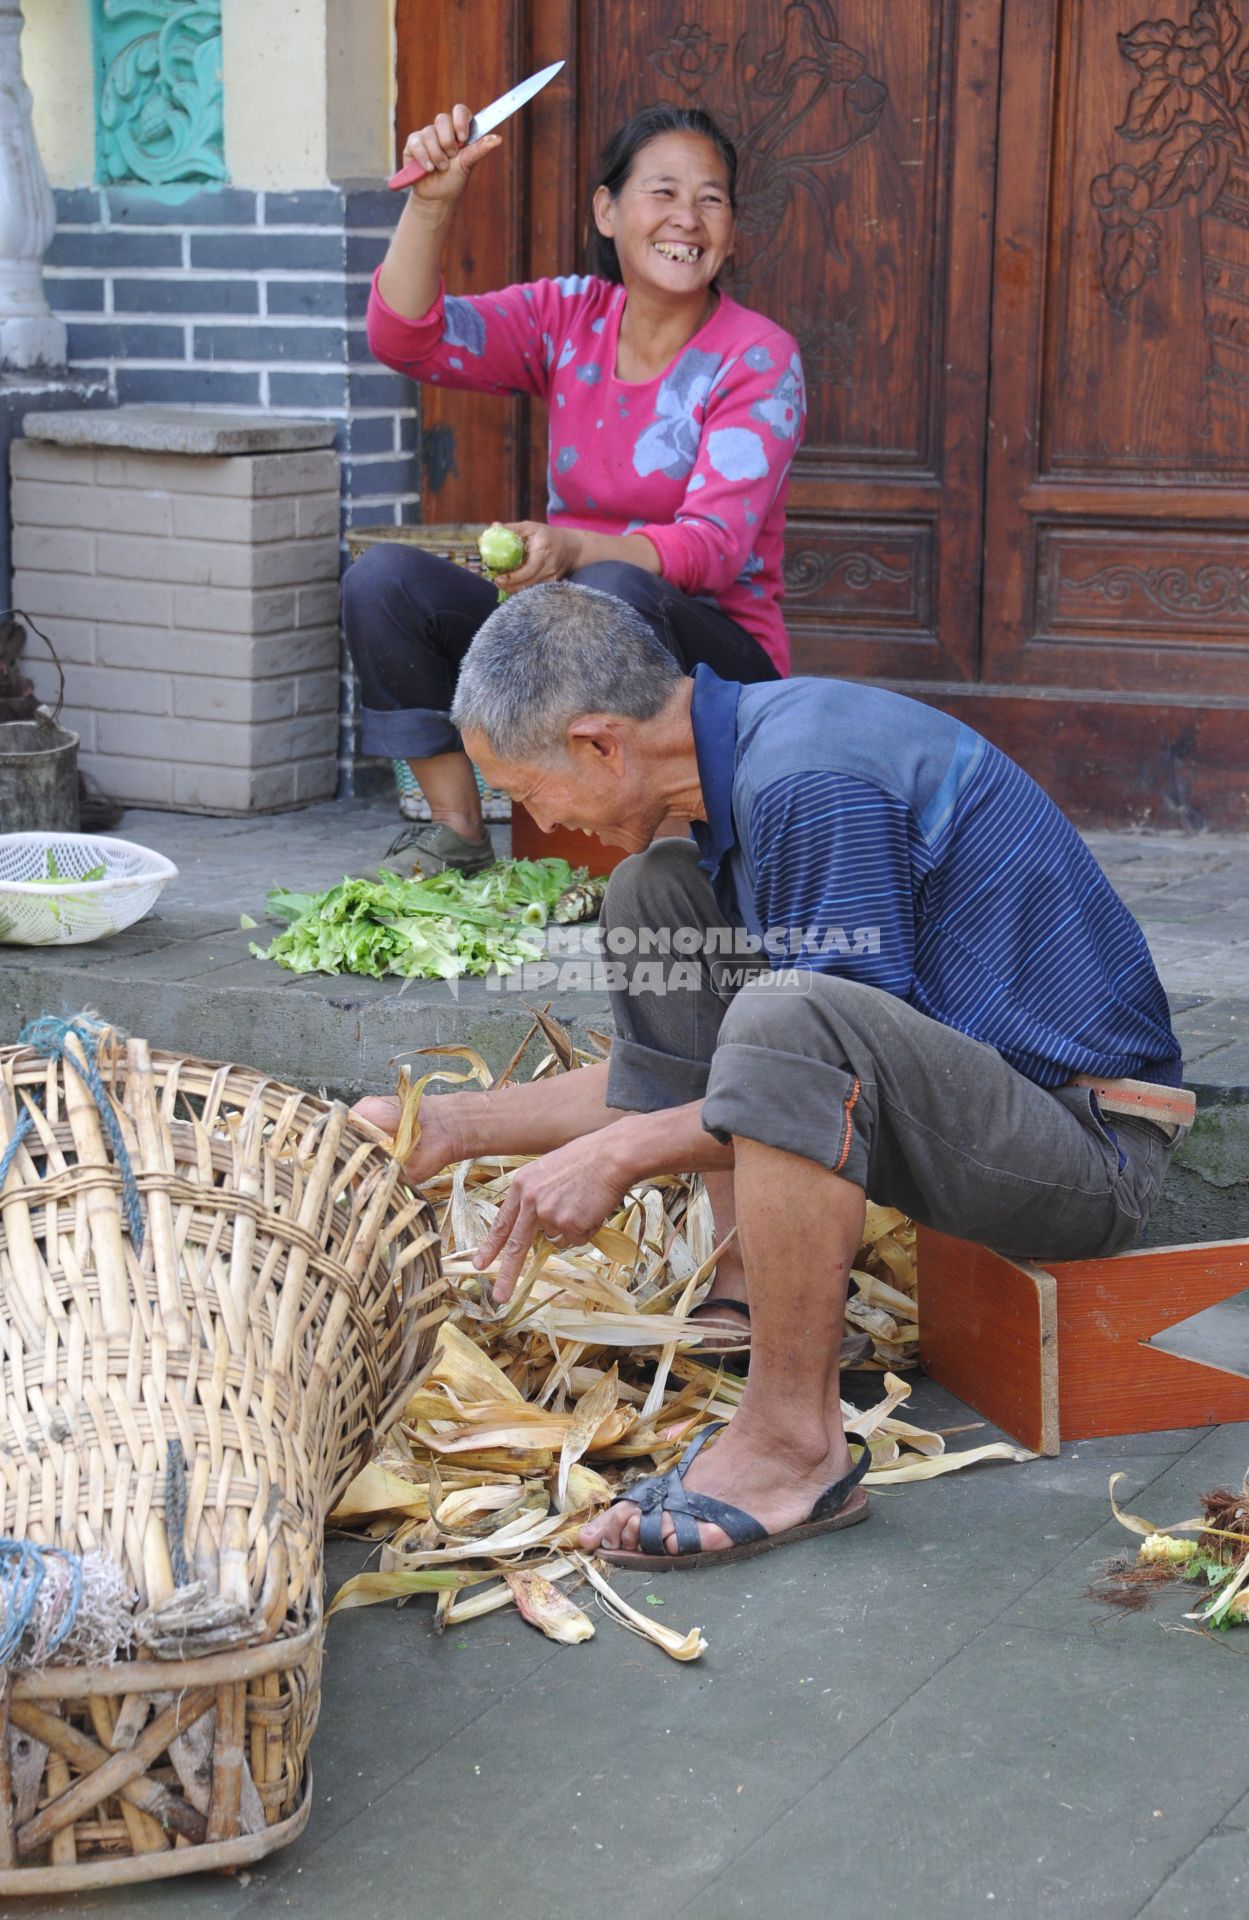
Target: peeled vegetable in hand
[{"x": 502, "y": 551}]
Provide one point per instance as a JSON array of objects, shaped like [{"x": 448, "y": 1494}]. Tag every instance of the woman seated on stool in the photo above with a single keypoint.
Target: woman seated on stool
[{"x": 675, "y": 415}]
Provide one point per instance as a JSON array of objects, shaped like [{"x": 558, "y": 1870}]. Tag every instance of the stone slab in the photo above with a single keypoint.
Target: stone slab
[{"x": 193, "y": 430}]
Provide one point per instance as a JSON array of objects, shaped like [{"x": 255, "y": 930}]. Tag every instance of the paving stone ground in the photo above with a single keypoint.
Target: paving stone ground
[{"x": 926, "y": 1715}]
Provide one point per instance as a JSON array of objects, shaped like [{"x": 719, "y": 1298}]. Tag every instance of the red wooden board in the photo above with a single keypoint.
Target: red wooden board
[
  {"x": 1110, "y": 1380},
  {"x": 987, "y": 1332}
]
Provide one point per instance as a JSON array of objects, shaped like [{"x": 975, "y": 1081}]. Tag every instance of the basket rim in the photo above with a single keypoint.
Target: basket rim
[
  {"x": 153, "y": 1676},
  {"x": 161, "y": 868}
]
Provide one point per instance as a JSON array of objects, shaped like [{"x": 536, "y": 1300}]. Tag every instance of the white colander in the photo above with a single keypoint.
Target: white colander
[{"x": 38, "y": 912}]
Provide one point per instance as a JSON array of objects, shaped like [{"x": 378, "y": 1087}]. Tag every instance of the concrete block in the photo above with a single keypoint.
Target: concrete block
[
  {"x": 81, "y": 722},
  {"x": 318, "y": 604},
  {"x": 32, "y": 459},
  {"x": 296, "y": 473},
  {"x": 234, "y": 612},
  {"x": 210, "y": 697},
  {"x": 218, "y": 743},
  {"x": 177, "y": 430},
  {"x": 79, "y": 597},
  {"x": 119, "y": 690},
  {"x": 60, "y": 503},
  {"x": 315, "y": 780},
  {"x": 317, "y": 692},
  {"x": 74, "y": 641},
  {"x": 176, "y": 562},
  {"x": 232, "y": 656},
  {"x": 169, "y": 472},
  {"x": 47, "y": 550},
  {"x": 234, "y": 789},
  {"x": 316, "y": 515},
  {"x": 295, "y": 563},
  {"x": 138, "y": 782},
  {"x": 197, "y": 517}
]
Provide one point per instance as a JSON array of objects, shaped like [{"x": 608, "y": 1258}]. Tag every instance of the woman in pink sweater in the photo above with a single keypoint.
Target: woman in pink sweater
[{"x": 675, "y": 416}]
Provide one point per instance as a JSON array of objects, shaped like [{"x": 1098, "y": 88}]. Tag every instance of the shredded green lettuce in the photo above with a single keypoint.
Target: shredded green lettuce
[{"x": 442, "y": 928}]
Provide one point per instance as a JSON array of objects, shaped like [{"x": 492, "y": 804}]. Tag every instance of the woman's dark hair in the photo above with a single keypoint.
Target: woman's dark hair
[{"x": 622, "y": 150}]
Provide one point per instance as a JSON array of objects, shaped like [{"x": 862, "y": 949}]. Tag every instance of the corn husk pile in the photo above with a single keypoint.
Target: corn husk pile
[
  {"x": 1215, "y": 1559},
  {"x": 529, "y": 1418}
]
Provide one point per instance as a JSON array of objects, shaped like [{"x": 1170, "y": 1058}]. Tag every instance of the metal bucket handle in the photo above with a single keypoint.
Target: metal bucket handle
[{"x": 17, "y": 613}]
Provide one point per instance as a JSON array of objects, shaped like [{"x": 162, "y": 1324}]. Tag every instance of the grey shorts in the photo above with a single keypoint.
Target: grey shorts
[{"x": 920, "y": 1116}]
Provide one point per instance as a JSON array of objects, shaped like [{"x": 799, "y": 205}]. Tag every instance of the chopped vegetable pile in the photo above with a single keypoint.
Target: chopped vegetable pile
[{"x": 436, "y": 929}]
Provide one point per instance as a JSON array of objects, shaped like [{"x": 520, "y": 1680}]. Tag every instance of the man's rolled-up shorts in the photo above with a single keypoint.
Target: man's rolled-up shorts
[{"x": 859, "y": 1082}]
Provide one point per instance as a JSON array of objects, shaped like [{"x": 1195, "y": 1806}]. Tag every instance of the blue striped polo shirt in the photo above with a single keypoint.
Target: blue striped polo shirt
[{"x": 861, "y": 833}]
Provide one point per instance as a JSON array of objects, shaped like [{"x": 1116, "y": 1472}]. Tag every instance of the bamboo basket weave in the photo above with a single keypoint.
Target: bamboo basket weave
[{"x": 286, "y": 1292}]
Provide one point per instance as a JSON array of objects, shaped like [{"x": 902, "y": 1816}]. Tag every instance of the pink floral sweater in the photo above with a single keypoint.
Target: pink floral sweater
[{"x": 698, "y": 459}]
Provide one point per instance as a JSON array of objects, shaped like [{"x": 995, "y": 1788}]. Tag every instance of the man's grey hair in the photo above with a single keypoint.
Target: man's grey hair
[{"x": 551, "y": 654}]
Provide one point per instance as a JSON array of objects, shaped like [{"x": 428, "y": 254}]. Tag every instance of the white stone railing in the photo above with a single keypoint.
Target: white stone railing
[{"x": 31, "y": 337}]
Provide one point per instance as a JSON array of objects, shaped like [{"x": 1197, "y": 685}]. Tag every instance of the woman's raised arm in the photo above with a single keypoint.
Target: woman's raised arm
[{"x": 412, "y": 270}]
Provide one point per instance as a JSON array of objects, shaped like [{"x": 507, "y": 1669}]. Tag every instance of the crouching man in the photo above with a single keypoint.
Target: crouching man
[{"x": 885, "y": 963}]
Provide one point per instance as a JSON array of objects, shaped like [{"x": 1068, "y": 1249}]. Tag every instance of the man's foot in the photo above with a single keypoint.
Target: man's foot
[{"x": 777, "y": 1479}]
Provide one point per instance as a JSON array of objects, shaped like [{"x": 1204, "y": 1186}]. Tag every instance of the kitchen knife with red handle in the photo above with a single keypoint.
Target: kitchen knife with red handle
[{"x": 487, "y": 120}]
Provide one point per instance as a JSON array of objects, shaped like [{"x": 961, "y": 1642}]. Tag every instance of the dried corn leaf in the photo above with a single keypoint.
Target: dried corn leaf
[
  {"x": 543, "y": 1605},
  {"x": 920, "y": 1469},
  {"x": 593, "y": 1413},
  {"x": 370, "y": 1589},
  {"x": 677, "y": 1647},
  {"x": 375, "y": 1490}
]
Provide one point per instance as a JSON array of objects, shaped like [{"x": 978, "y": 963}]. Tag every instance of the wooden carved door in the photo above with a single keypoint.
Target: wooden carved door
[
  {"x": 1031, "y": 210},
  {"x": 865, "y": 132},
  {"x": 1116, "y": 613}
]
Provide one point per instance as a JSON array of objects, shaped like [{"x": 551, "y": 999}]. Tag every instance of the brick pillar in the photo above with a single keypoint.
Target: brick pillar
[{"x": 185, "y": 566}]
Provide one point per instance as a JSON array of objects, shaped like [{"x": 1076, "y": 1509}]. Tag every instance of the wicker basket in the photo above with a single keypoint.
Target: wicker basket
[
  {"x": 456, "y": 541},
  {"x": 286, "y": 1292}
]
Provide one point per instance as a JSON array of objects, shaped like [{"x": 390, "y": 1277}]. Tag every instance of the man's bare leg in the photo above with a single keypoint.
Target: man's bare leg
[
  {"x": 800, "y": 1227},
  {"x": 729, "y": 1282}
]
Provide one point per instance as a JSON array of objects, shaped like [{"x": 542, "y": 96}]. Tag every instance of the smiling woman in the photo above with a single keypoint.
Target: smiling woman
[{"x": 675, "y": 416}]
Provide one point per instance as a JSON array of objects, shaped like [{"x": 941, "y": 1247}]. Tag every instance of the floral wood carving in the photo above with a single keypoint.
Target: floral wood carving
[
  {"x": 1173, "y": 590},
  {"x": 806, "y": 572},
  {"x": 1188, "y": 116},
  {"x": 796, "y": 109},
  {"x": 690, "y": 57},
  {"x": 160, "y": 100}
]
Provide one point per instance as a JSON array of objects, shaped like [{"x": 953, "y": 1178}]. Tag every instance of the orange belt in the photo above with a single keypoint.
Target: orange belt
[{"x": 1169, "y": 1107}]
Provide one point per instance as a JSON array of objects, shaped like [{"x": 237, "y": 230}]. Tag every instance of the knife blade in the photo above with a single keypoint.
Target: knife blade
[{"x": 487, "y": 120}]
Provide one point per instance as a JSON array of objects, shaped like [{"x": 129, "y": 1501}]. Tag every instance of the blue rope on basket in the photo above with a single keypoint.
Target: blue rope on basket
[
  {"x": 47, "y": 1036},
  {"x": 23, "y": 1567}
]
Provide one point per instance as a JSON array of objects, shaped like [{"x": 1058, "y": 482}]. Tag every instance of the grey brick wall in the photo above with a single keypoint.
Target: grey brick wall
[{"x": 236, "y": 299}]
